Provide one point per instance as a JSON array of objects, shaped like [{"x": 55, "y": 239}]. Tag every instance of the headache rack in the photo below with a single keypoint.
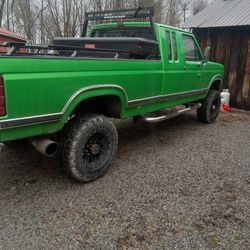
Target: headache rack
[
  {"x": 116, "y": 21},
  {"x": 117, "y": 34},
  {"x": 15, "y": 49}
]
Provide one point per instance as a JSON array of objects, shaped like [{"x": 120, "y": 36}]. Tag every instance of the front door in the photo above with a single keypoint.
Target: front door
[{"x": 193, "y": 64}]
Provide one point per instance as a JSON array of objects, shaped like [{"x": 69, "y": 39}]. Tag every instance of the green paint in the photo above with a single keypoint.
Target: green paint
[{"x": 35, "y": 86}]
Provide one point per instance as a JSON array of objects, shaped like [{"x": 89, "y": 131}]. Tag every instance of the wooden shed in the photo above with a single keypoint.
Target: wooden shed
[{"x": 225, "y": 27}]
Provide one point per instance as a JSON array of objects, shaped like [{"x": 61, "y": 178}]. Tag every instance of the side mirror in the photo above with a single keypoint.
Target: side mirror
[{"x": 207, "y": 54}]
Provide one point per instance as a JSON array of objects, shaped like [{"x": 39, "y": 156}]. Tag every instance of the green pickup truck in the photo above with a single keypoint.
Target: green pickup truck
[{"x": 61, "y": 97}]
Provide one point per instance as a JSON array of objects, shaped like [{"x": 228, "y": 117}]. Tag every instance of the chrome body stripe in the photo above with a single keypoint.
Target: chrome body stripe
[
  {"x": 100, "y": 86},
  {"x": 160, "y": 98},
  {"x": 31, "y": 120},
  {"x": 216, "y": 77}
]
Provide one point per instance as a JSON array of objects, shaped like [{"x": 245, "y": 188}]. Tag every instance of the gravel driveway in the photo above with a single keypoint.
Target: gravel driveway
[{"x": 175, "y": 185}]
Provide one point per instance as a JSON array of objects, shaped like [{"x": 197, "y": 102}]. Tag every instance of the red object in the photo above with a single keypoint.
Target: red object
[
  {"x": 1, "y": 91},
  {"x": 8, "y": 36},
  {"x": 225, "y": 107},
  {"x": 2, "y": 97},
  {"x": 90, "y": 46}
]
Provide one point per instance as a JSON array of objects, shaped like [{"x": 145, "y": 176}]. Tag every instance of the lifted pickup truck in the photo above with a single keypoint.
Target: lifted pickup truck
[{"x": 62, "y": 96}]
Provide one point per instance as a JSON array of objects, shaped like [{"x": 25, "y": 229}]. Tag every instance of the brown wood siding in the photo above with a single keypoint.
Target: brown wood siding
[{"x": 231, "y": 47}]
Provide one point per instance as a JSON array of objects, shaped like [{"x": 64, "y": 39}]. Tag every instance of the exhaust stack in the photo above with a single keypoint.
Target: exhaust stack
[{"x": 45, "y": 146}]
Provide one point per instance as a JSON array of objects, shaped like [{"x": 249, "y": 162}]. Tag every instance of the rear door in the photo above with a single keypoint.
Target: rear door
[
  {"x": 182, "y": 64},
  {"x": 173, "y": 65}
]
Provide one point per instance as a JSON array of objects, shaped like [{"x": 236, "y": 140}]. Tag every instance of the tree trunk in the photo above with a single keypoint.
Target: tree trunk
[{"x": 1, "y": 12}]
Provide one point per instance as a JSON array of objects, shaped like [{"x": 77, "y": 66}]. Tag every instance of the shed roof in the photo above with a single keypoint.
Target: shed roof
[
  {"x": 222, "y": 13},
  {"x": 7, "y": 33}
]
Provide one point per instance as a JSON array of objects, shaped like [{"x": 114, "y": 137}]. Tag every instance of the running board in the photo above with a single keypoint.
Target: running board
[{"x": 164, "y": 117}]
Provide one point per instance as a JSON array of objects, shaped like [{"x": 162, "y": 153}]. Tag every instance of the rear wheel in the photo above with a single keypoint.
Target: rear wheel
[
  {"x": 89, "y": 147},
  {"x": 210, "y": 108}
]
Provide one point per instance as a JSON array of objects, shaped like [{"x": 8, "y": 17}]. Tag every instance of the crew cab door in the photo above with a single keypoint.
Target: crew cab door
[{"x": 182, "y": 64}]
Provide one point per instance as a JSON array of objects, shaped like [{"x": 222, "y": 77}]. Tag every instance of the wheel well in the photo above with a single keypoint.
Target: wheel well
[
  {"x": 109, "y": 106},
  {"x": 216, "y": 85}
]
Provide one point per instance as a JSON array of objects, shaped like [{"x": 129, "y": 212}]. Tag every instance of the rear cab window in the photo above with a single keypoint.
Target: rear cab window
[
  {"x": 169, "y": 46},
  {"x": 175, "y": 48},
  {"x": 172, "y": 48},
  {"x": 191, "y": 49}
]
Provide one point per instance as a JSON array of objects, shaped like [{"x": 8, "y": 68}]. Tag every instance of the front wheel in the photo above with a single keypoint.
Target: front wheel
[
  {"x": 210, "y": 108},
  {"x": 89, "y": 147}
]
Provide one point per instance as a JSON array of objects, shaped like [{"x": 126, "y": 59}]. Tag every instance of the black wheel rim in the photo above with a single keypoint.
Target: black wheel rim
[
  {"x": 214, "y": 110},
  {"x": 95, "y": 150}
]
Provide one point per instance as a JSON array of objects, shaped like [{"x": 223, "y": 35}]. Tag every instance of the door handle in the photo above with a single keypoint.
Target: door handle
[
  {"x": 185, "y": 67},
  {"x": 199, "y": 75}
]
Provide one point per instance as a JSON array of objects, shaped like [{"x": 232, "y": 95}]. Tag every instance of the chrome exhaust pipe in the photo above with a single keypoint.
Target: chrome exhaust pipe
[{"x": 45, "y": 146}]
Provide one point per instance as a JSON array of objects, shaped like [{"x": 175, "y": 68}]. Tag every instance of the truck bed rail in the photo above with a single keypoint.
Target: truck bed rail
[{"x": 22, "y": 49}]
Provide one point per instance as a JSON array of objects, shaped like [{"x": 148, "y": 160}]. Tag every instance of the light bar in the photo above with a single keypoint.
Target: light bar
[{"x": 120, "y": 14}]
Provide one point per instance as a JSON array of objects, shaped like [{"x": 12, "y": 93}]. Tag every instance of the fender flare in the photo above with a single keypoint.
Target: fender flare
[
  {"x": 91, "y": 92},
  {"x": 214, "y": 79}
]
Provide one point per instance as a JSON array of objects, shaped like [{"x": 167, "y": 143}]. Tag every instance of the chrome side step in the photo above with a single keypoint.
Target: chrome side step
[{"x": 164, "y": 117}]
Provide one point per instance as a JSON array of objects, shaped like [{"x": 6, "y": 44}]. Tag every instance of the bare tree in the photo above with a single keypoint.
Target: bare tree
[
  {"x": 1, "y": 11},
  {"x": 42, "y": 20},
  {"x": 173, "y": 13},
  {"x": 185, "y": 6},
  {"x": 157, "y": 4},
  {"x": 25, "y": 18},
  {"x": 60, "y": 18},
  {"x": 97, "y": 5},
  {"x": 9, "y": 20},
  {"x": 199, "y": 5},
  {"x": 118, "y": 4}
]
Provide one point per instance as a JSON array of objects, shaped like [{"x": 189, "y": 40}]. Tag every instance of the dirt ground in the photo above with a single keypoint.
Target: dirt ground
[{"x": 179, "y": 184}]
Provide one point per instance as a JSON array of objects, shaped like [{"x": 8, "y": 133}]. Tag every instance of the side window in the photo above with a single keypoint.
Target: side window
[
  {"x": 191, "y": 50},
  {"x": 175, "y": 46},
  {"x": 169, "y": 47}
]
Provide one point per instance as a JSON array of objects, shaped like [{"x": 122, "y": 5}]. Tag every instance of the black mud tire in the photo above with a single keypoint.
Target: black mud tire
[
  {"x": 210, "y": 109},
  {"x": 16, "y": 144},
  {"x": 89, "y": 146}
]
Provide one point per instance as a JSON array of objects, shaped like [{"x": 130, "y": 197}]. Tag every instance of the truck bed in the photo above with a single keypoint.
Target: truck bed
[{"x": 134, "y": 48}]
